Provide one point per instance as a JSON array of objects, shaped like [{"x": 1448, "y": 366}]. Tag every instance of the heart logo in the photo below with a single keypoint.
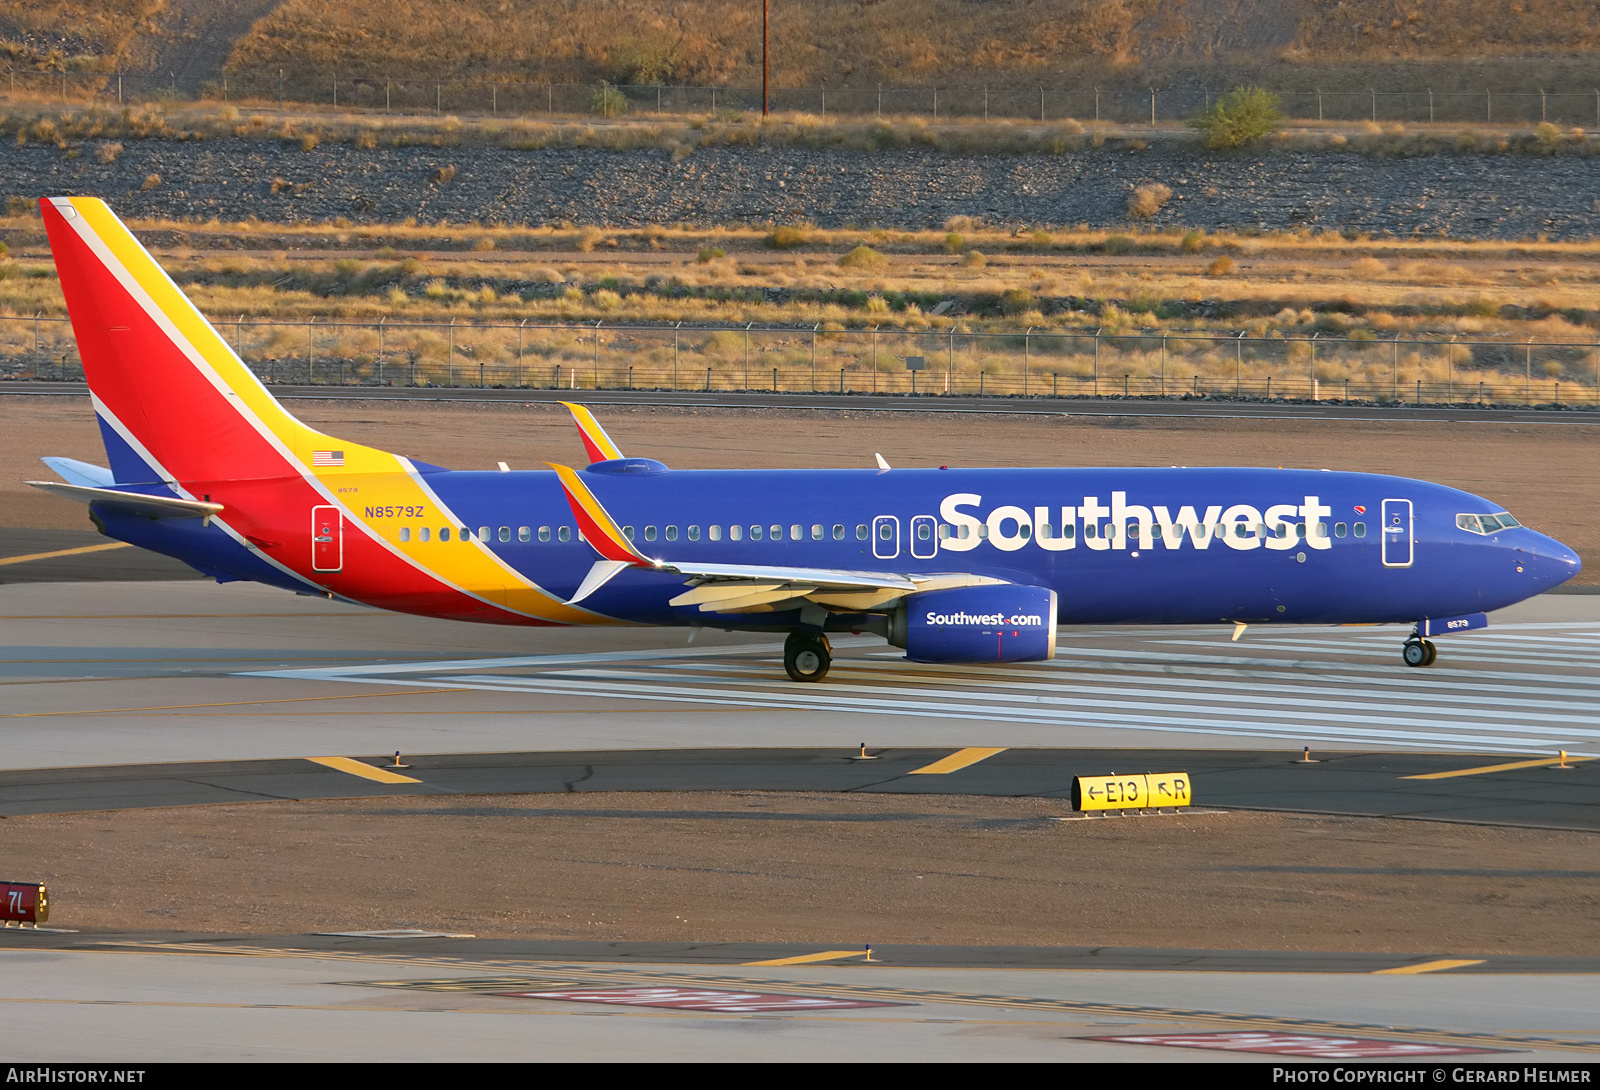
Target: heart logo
[{"x": 1360, "y": 510}]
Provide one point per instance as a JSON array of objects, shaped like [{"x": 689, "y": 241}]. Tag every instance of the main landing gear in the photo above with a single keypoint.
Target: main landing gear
[
  {"x": 807, "y": 656},
  {"x": 1419, "y": 652}
]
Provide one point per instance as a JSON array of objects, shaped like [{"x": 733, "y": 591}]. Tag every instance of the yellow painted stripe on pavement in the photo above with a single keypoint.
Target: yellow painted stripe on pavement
[
  {"x": 958, "y": 760},
  {"x": 65, "y": 552},
  {"x": 1493, "y": 768},
  {"x": 807, "y": 959},
  {"x": 362, "y": 769},
  {"x": 1428, "y": 967}
]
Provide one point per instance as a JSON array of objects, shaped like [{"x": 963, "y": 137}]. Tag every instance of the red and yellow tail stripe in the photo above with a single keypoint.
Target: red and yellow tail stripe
[
  {"x": 598, "y": 527},
  {"x": 595, "y": 440},
  {"x": 165, "y": 378}
]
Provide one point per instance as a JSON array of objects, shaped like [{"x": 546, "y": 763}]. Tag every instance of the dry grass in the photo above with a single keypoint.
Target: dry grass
[{"x": 1476, "y": 28}]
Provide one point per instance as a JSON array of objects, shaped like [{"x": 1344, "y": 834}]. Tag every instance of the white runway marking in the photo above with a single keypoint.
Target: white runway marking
[{"x": 1523, "y": 688}]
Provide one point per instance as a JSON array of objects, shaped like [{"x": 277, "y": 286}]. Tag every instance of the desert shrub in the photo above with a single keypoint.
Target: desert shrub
[
  {"x": 1193, "y": 242},
  {"x": 588, "y": 238},
  {"x": 150, "y": 182},
  {"x": 709, "y": 254},
  {"x": 1147, "y": 200},
  {"x": 959, "y": 223},
  {"x": 366, "y": 139},
  {"x": 1222, "y": 266},
  {"x": 786, "y": 237},
  {"x": 954, "y": 243},
  {"x": 1118, "y": 244},
  {"x": 1242, "y": 116},
  {"x": 973, "y": 259},
  {"x": 1546, "y": 134},
  {"x": 443, "y": 174},
  {"x": 483, "y": 244},
  {"x": 607, "y": 300},
  {"x": 607, "y": 101},
  {"x": 107, "y": 152},
  {"x": 280, "y": 185},
  {"x": 644, "y": 60},
  {"x": 863, "y": 257},
  {"x": 309, "y": 141},
  {"x": 1017, "y": 301},
  {"x": 1368, "y": 267},
  {"x": 1041, "y": 240},
  {"x": 4, "y": 250}
]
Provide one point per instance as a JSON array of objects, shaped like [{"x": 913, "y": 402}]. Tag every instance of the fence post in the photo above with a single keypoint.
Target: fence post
[
  {"x": 1041, "y": 104},
  {"x": 1527, "y": 374},
  {"x": 1319, "y": 103},
  {"x": 814, "y": 356},
  {"x": 1450, "y": 369},
  {"x": 1314, "y": 337},
  {"x": 949, "y": 359},
  {"x": 311, "y": 350},
  {"x": 1238, "y": 365},
  {"x": 985, "y": 102},
  {"x": 597, "y": 355},
  {"x": 1430, "y": 105},
  {"x": 1096, "y": 363},
  {"x": 1097, "y": 104},
  {"x": 336, "y": 92},
  {"x": 874, "y": 359},
  {"x": 1374, "y": 95},
  {"x": 675, "y": 340},
  {"x": 1027, "y": 359},
  {"x": 1163, "y": 365},
  {"x": 385, "y": 96},
  {"x": 519, "y": 350},
  {"x": 438, "y": 96},
  {"x": 385, "y": 318},
  {"x": 452, "y": 351},
  {"x": 1541, "y": 106},
  {"x": 880, "y": 101},
  {"x": 1152, "y": 105},
  {"x": 36, "y": 332},
  {"x": 1488, "y": 106},
  {"x": 936, "y": 103},
  {"x": 747, "y": 354},
  {"x": 1394, "y": 392},
  {"x": 280, "y": 88}
]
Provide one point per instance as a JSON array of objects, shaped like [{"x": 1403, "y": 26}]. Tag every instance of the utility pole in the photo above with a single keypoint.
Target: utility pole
[{"x": 766, "y": 12}]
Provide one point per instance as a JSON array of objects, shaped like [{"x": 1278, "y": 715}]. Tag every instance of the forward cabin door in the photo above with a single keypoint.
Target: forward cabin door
[
  {"x": 327, "y": 539},
  {"x": 1397, "y": 534}
]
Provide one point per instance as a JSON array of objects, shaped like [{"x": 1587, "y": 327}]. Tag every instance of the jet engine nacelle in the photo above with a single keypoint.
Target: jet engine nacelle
[{"x": 977, "y": 624}]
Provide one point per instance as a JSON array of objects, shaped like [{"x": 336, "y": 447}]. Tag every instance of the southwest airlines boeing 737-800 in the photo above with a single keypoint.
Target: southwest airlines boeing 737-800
[{"x": 953, "y": 565}]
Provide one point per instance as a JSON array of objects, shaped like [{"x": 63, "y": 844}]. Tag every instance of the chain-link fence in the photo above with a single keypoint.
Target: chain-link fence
[
  {"x": 508, "y": 98},
  {"x": 593, "y": 356}
]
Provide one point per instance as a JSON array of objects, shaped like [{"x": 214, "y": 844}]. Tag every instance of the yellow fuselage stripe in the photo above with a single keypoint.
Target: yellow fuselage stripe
[{"x": 961, "y": 758}]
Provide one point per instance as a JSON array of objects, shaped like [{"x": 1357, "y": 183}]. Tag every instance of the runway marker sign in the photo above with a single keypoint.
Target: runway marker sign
[
  {"x": 1155, "y": 790},
  {"x": 701, "y": 999},
  {"x": 1299, "y": 1044}
]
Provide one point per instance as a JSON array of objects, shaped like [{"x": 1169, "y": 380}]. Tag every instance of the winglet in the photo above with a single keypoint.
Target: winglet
[
  {"x": 597, "y": 525},
  {"x": 882, "y": 464},
  {"x": 595, "y": 440}
]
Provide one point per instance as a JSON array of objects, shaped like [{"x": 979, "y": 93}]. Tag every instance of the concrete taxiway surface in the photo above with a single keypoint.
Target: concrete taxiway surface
[
  {"x": 134, "y": 673},
  {"x": 129, "y": 1001}
]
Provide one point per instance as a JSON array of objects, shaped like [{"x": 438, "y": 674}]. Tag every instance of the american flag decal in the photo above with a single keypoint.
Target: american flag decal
[{"x": 327, "y": 458}]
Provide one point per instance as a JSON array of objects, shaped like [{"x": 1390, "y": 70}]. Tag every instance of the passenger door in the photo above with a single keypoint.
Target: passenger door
[{"x": 1397, "y": 534}]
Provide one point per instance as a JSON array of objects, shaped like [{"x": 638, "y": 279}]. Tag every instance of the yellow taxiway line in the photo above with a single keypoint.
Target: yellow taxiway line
[
  {"x": 958, "y": 760},
  {"x": 1514, "y": 765},
  {"x": 362, "y": 769},
  {"x": 807, "y": 959},
  {"x": 1428, "y": 967},
  {"x": 64, "y": 552}
]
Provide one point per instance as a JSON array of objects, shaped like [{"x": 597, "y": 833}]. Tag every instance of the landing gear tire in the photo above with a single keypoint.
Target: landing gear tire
[
  {"x": 1419, "y": 652},
  {"x": 806, "y": 657}
]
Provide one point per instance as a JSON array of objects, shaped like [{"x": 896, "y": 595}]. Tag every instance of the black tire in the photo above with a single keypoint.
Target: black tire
[
  {"x": 806, "y": 657},
  {"x": 1433, "y": 652},
  {"x": 1415, "y": 653}
]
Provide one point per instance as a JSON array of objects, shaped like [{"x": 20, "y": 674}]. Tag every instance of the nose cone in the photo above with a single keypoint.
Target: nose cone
[{"x": 1547, "y": 562}]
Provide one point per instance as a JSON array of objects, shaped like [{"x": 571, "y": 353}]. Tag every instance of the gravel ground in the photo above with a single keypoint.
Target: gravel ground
[{"x": 1472, "y": 196}]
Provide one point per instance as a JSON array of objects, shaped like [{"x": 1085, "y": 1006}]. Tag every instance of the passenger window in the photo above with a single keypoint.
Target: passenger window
[
  {"x": 715, "y": 533},
  {"x": 483, "y": 534},
  {"x": 755, "y": 533},
  {"x": 505, "y": 533},
  {"x": 1068, "y": 531},
  {"x": 671, "y": 533},
  {"x": 444, "y": 533},
  {"x": 1090, "y": 529},
  {"x": 544, "y": 533},
  {"x": 1300, "y": 530},
  {"x": 405, "y": 533},
  {"x": 776, "y": 533},
  {"x": 838, "y": 532},
  {"x": 816, "y": 531},
  {"x": 885, "y": 531},
  {"x": 1360, "y": 529},
  {"x": 694, "y": 533},
  {"x": 944, "y": 531},
  {"x": 627, "y": 532},
  {"x": 565, "y": 533},
  {"x": 983, "y": 532},
  {"x": 923, "y": 533},
  {"x": 422, "y": 533},
  {"x": 735, "y": 533},
  {"x": 1340, "y": 529},
  {"x": 795, "y": 532},
  {"x": 1024, "y": 531},
  {"x": 1155, "y": 532},
  {"x": 649, "y": 533}
]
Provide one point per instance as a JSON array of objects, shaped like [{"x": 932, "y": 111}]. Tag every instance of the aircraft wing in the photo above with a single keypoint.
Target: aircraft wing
[{"x": 133, "y": 503}]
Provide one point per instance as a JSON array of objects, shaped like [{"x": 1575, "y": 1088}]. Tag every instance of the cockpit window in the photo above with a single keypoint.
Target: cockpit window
[{"x": 1486, "y": 524}]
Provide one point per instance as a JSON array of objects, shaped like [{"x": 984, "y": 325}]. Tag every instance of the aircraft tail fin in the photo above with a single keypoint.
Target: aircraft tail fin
[
  {"x": 596, "y": 442},
  {"x": 175, "y": 402}
]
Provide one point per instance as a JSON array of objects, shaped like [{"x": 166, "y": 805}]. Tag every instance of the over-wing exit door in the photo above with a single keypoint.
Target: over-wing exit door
[{"x": 327, "y": 539}]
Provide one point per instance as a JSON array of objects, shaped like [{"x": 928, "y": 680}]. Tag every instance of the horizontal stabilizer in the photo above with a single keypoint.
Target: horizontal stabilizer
[
  {"x": 132, "y": 503},
  {"x": 85, "y": 473}
]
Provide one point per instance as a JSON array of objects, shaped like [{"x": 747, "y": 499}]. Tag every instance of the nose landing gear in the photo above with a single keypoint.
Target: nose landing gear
[
  {"x": 1418, "y": 652},
  {"x": 807, "y": 656}
]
